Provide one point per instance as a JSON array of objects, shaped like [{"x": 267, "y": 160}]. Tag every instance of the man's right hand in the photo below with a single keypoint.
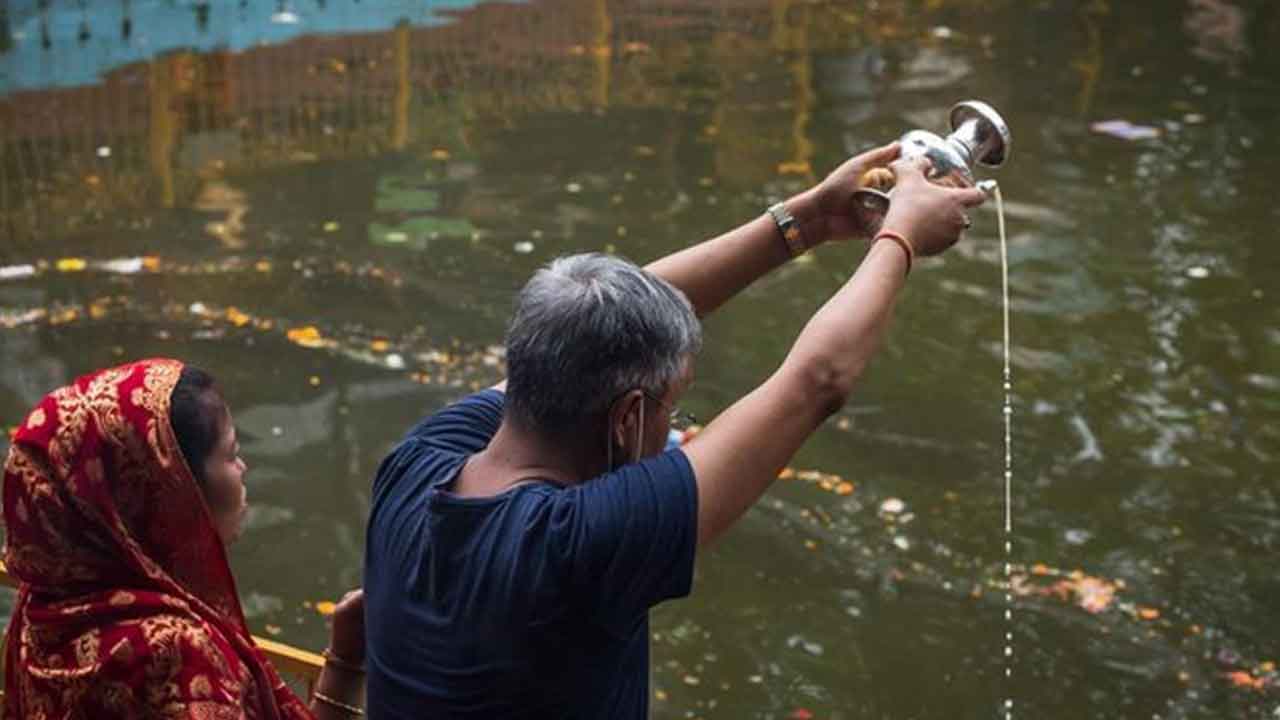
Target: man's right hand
[{"x": 930, "y": 216}]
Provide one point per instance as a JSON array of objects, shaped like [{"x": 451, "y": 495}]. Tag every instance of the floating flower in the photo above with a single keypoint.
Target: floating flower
[
  {"x": 307, "y": 336},
  {"x": 237, "y": 318},
  {"x": 1242, "y": 679}
]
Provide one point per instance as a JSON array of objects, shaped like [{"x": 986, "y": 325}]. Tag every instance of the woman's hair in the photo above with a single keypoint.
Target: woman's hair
[{"x": 197, "y": 413}]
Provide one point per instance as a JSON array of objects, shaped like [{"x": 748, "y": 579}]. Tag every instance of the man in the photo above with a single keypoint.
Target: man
[{"x": 518, "y": 538}]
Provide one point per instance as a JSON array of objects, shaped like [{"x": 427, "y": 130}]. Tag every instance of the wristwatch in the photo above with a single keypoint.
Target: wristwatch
[{"x": 790, "y": 229}]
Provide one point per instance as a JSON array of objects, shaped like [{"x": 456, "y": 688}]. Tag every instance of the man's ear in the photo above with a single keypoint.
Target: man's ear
[{"x": 623, "y": 417}]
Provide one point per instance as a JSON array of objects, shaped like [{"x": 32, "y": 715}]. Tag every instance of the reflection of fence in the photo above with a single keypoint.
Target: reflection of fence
[
  {"x": 290, "y": 661},
  {"x": 148, "y": 132}
]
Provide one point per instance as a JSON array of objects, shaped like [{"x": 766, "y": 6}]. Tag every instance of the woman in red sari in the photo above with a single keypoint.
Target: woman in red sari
[{"x": 115, "y": 528}]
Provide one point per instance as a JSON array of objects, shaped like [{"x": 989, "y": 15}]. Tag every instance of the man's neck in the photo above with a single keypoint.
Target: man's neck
[{"x": 515, "y": 455}]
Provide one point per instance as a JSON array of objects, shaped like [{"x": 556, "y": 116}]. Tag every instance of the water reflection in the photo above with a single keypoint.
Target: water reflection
[{"x": 332, "y": 214}]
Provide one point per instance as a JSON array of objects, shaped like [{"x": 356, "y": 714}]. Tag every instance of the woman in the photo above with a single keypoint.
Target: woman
[{"x": 120, "y": 493}]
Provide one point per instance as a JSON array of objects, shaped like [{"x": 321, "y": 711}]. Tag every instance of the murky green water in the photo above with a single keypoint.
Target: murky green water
[{"x": 381, "y": 189}]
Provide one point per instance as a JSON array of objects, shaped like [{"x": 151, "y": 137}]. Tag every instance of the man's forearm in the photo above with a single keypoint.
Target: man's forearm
[
  {"x": 838, "y": 342},
  {"x": 712, "y": 272},
  {"x": 739, "y": 454}
]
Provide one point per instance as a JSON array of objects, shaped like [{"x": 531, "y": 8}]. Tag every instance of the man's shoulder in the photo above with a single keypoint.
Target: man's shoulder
[{"x": 462, "y": 426}]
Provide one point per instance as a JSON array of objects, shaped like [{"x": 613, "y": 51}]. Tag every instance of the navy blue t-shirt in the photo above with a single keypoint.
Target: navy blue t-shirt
[{"x": 529, "y": 604}]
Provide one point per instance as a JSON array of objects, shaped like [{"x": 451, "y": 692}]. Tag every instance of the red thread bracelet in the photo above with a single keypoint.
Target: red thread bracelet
[{"x": 901, "y": 242}]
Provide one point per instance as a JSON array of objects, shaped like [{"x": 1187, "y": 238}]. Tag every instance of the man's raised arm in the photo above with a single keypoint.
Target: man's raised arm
[
  {"x": 713, "y": 271},
  {"x": 739, "y": 454}
]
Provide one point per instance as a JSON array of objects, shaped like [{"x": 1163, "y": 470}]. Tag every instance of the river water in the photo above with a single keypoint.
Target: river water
[{"x": 329, "y": 204}]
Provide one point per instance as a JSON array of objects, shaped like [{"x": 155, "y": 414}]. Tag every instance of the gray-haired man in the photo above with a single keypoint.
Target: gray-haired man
[{"x": 518, "y": 538}]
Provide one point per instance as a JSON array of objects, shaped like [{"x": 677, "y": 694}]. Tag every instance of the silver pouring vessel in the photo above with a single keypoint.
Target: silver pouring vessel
[{"x": 979, "y": 136}]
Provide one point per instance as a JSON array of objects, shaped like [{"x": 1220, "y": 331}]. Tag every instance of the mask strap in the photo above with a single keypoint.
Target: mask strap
[
  {"x": 639, "y": 440},
  {"x": 640, "y": 432},
  {"x": 608, "y": 444}
]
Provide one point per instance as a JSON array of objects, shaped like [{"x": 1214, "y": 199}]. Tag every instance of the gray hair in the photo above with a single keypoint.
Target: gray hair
[{"x": 586, "y": 329}]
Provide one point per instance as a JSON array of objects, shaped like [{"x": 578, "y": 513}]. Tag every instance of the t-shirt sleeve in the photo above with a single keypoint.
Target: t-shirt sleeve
[
  {"x": 629, "y": 538},
  {"x": 465, "y": 427}
]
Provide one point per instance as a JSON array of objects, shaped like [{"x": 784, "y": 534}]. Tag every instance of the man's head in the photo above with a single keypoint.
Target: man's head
[{"x": 597, "y": 344}]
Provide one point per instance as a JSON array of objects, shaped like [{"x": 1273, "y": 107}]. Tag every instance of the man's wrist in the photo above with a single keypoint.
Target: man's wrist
[{"x": 813, "y": 226}]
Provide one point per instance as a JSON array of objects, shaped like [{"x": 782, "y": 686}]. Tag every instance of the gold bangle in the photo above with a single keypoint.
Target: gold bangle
[
  {"x": 332, "y": 658},
  {"x": 901, "y": 242},
  {"x": 348, "y": 709}
]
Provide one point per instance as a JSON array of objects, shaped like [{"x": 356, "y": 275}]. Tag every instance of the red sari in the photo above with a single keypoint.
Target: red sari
[{"x": 126, "y": 605}]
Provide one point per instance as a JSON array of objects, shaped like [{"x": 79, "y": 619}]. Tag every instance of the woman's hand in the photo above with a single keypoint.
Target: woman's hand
[
  {"x": 346, "y": 637},
  {"x": 825, "y": 211}
]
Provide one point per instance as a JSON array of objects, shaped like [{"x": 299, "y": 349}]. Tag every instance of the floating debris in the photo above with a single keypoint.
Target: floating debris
[
  {"x": 1125, "y": 130},
  {"x": 307, "y": 336},
  {"x": 17, "y": 272},
  {"x": 123, "y": 266},
  {"x": 797, "y": 642},
  {"x": 236, "y": 317},
  {"x": 1090, "y": 593},
  {"x": 1076, "y": 536},
  {"x": 1244, "y": 679}
]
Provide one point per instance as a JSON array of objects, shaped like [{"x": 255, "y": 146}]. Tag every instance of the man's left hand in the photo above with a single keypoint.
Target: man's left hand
[{"x": 825, "y": 211}]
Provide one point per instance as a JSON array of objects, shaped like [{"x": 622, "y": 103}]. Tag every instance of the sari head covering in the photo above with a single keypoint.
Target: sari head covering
[{"x": 126, "y": 605}]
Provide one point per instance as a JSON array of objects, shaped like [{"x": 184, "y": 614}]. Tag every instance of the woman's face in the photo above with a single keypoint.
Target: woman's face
[{"x": 224, "y": 484}]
